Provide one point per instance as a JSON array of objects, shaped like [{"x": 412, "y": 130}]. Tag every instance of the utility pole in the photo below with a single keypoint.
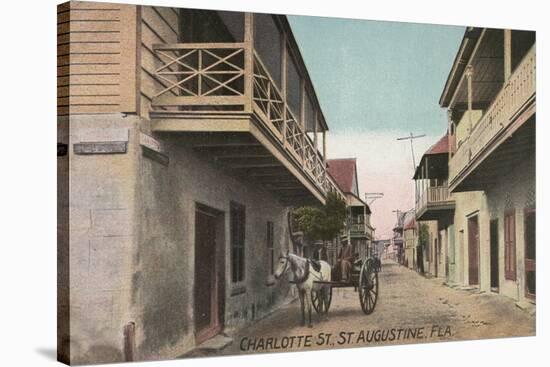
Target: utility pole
[
  {"x": 411, "y": 137},
  {"x": 372, "y": 196}
]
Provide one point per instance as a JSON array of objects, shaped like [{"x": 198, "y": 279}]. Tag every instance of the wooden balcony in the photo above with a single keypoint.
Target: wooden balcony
[
  {"x": 224, "y": 89},
  {"x": 358, "y": 230},
  {"x": 511, "y": 107},
  {"x": 433, "y": 203}
]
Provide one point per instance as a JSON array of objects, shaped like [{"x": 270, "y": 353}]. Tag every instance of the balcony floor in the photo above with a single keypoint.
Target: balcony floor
[
  {"x": 510, "y": 150},
  {"x": 436, "y": 211},
  {"x": 243, "y": 152}
]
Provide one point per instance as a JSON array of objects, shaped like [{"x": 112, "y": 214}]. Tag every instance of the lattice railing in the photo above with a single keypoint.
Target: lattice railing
[
  {"x": 211, "y": 77},
  {"x": 519, "y": 90},
  {"x": 269, "y": 100},
  {"x": 199, "y": 74},
  {"x": 268, "y": 97},
  {"x": 433, "y": 195}
]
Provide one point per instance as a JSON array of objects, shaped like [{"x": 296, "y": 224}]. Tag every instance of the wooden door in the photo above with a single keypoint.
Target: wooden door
[
  {"x": 473, "y": 250},
  {"x": 436, "y": 260},
  {"x": 530, "y": 253},
  {"x": 510, "y": 246},
  {"x": 207, "y": 320},
  {"x": 493, "y": 233}
]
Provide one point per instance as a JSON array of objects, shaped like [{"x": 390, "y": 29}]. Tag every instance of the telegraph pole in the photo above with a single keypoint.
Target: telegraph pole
[
  {"x": 372, "y": 196},
  {"x": 411, "y": 137}
]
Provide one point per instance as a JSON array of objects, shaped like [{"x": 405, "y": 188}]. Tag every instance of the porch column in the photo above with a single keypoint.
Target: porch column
[
  {"x": 248, "y": 61},
  {"x": 284, "y": 85},
  {"x": 315, "y": 115},
  {"x": 325, "y": 147},
  {"x": 450, "y": 132},
  {"x": 469, "y": 74},
  {"x": 507, "y": 54}
]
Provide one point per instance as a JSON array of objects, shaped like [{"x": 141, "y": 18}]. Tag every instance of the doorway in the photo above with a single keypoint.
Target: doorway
[
  {"x": 530, "y": 253},
  {"x": 493, "y": 234},
  {"x": 436, "y": 260},
  {"x": 473, "y": 250},
  {"x": 209, "y": 273}
]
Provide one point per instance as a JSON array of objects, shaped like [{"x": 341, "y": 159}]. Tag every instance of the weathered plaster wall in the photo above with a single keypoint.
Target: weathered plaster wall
[
  {"x": 132, "y": 244},
  {"x": 515, "y": 191},
  {"x": 102, "y": 191},
  {"x": 468, "y": 204},
  {"x": 165, "y": 259}
]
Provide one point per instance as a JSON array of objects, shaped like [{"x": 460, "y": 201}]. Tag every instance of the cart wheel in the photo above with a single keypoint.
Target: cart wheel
[
  {"x": 316, "y": 299},
  {"x": 368, "y": 287}
]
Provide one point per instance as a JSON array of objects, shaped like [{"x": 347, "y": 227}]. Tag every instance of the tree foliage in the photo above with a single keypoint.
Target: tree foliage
[
  {"x": 423, "y": 235},
  {"x": 322, "y": 222}
]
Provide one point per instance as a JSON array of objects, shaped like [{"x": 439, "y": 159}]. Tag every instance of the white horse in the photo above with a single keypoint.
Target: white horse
[{"x": 304, "y": 276}]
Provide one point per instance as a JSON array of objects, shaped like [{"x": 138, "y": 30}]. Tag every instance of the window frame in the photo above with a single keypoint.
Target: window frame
[
  {"x": 237, "y": 217},
  {"x": 270, "y": 244}
]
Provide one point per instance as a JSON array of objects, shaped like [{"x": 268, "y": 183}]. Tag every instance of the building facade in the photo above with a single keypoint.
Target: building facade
[
  {"x": 410, "y": 238},
  {"x": 478, "y": 182},
  {"x": 490, "y": 97},
  {"x": 184, "y": 138},
  {"x": 358, "y": 230}
]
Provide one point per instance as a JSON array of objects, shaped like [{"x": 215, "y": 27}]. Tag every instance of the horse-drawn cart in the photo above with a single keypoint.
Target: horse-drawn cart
[
  {"x": 364, "y": 278},
  {"x": 319, "y": 281}
]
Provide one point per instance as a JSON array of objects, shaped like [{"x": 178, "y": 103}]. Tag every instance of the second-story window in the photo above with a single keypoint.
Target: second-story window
[
  {"x": 309, "y": 115},
  {"x": 294, "y": 87},
  {"x": 270, "y": 248},
  {"x": 237, "y": 229},
  {"x": 211, "y": 26},
  {"x": 267, "y": 42}
]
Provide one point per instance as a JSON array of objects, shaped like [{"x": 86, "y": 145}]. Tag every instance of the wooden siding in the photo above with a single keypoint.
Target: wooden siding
[
  {"x": 158, "y": 25},
  {"x": 96, "y": 58}
]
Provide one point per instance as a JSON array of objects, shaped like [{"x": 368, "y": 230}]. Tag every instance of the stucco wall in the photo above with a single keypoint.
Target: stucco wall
[
  {"x": 468, "y": 204},
  {"x": 515, "y": 191},
  {"x": 132, "y": 243},
  {"x": 102, "y": 210},
  {"x": 164, "y": 294}
]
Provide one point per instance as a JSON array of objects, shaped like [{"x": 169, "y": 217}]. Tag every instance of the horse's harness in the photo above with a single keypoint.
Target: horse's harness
[{"x": 304, "y": 277}]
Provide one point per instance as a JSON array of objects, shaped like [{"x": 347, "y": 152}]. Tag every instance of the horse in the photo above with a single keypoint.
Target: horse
[{"x": 304, "y": 276}]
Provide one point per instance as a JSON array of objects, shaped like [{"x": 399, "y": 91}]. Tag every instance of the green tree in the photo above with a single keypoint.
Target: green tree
[
  {"x": 322, "y": 222},
  {"x": 423, "y": 236}
]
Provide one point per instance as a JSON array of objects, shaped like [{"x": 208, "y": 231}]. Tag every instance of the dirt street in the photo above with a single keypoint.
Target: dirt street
[{"x": 410, "y": 309}]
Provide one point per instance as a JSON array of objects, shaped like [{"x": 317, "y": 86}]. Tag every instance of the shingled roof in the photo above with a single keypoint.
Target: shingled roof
[
  {"x": 441, "y": 147},
  {"x": 343, "y": 171}
]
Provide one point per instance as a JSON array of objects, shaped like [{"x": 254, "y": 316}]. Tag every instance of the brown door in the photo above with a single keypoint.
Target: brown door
[
  {"x": 436, "y": 260},
  {"x": 530, "y": 253},
  {"x": 473, "y": 250},
  {"x": 493, "y": 233},
  {"x": 207, "y": 283}
]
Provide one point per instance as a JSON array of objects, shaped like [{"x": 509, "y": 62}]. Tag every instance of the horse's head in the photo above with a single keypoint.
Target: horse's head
[{"x": 282, "y": 265}]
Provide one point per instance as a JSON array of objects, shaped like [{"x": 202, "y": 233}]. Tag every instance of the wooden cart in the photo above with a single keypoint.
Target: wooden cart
[{"x": 364, "y": 278}]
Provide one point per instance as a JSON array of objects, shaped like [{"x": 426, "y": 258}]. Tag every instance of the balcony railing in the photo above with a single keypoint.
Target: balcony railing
[
  {"x": 519, "y": 90},
  {"x": 432, "y": 196},
  {"x": 356, "y": 228},
  {"x": 218, "y": 79}
]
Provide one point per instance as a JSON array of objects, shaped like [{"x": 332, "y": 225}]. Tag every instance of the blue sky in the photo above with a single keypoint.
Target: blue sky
[
  {"x": 372, "y": 75},
  {"x": 377, "y": 81}
]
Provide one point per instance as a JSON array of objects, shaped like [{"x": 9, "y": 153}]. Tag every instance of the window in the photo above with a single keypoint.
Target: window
[
  {"x": 267, "y": 42},
  {"x": 309, "y": 115},
  {"x": 294, "y": 88},
  {"x": 237, "y": 242},
  {"x": 270, "y": 248},
  {"x": 510, "y": 246},
  {"x": 211, "y": 26}
]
